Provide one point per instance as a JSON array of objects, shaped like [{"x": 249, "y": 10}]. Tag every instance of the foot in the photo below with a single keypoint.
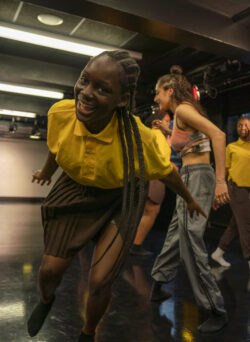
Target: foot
[
  {"x": 38, "y": 316},
  {"x": 158, "y": 294},
  {"x": 213, "y": 324},
  {"x": 139, "y": 251},
  {"x": 220, "y": 260},
  {"x": 86, "y": 338}
]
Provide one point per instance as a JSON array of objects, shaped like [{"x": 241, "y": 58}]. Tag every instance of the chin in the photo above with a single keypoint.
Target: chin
[{"x": 83, "y": 117}]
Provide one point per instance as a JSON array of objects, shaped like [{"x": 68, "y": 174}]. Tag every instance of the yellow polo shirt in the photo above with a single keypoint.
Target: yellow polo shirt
[
  {"x": 238, "y": 162},
  {"x": 97, "y": 159}
]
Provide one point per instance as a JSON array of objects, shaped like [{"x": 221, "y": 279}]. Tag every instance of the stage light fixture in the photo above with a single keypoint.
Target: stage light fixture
[
  {"x": 17, "y": 113},
  {"x": 56, "y": 41},
  {"x": 13, "y": 88}
]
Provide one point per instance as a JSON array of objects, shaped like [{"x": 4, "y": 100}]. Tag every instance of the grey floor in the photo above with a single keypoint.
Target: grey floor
[{"x": 131, "y": 317}]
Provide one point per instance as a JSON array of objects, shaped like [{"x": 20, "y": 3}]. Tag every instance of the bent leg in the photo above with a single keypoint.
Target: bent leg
[
  {"x": 167, "y": 262},
  {"x": 101, "y": 277},
  {"x": 50, "y": 275},
  {"x": 194, "y": 255},
  {"x": 150, "y": 213}
]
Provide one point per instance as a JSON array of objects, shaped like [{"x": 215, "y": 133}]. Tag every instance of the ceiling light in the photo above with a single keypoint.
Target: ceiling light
[
  {"x": 54, "y": 41},
  {"x": 48, "y": 19},
  {"x": 30, "y": 91},
  {"x": 17, "y": 113}
]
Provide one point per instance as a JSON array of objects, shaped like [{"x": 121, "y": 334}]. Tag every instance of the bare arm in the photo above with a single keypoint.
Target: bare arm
[
  {"x": 47, "y": 171},
  {"x": 193, "y": 119},
  {"x": 175, "y": 183}
]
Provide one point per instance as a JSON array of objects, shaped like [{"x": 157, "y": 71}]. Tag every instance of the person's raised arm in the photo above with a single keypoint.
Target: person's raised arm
[
  {"x": 49, "y": 168},
  {"x": 175, "y": 183},
  {"x": 162, "y": 126},
  {"x": 189, "y": 115}
]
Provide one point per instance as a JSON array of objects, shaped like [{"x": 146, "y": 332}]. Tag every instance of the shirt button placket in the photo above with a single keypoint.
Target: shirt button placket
[{"x": 89, "y": 158}]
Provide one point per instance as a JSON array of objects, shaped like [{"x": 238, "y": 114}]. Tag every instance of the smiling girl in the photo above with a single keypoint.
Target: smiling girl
[{"x": 106, "y": 155}]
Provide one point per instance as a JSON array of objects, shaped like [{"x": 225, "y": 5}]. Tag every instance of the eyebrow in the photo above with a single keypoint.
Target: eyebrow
[{"x": 104, "y": 83}]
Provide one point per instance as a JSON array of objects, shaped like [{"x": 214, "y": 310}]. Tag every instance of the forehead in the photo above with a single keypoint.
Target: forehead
[
  {"x": 243, "y": 122},
  {"x": 166, "y": 117},
  {"x": 103, "y": 67}
]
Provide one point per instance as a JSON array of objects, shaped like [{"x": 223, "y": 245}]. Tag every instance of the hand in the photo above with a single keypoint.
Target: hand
[
  {"x": 39, "y": 177},
  {"x": 221, "y": 195},
  {"x": 162, "y": 126},
  {"x": 193, "y": 207}
]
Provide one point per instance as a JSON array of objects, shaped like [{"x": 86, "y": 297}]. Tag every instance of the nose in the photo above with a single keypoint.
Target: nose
[
  {"x": 86, "y": 91},
  {"x": 156, "y": 99}
]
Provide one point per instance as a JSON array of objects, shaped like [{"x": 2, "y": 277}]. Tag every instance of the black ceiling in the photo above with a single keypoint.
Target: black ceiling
[{"x": 192, "y": 33}]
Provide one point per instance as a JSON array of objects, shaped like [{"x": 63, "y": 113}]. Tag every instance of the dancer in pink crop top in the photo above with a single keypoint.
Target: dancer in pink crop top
[
  {"x": 184, "y": 142},
  {"x": 184, "y": 243}
]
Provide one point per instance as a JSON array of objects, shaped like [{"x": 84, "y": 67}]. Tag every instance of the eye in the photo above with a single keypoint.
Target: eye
[
  {"x": 103, "y": 90},
  {"x": 83, "y": 79}
]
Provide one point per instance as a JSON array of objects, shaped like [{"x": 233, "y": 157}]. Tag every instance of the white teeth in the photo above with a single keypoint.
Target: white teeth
[{"x": 83, "y": 105}]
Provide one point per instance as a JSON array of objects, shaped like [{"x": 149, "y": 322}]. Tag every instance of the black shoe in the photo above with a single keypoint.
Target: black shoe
[
  {"x": 38, "y": 316},
  {"x": 139, "y": 251},
  {"x": 86, "y": 338},
  {"x": 158, "y": 294},
  {"x": 213, "y": 324}
]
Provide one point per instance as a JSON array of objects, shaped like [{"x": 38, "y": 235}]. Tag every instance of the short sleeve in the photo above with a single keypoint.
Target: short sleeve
[
  {"x": 59, "y": 116},
  {"x": 157, "y": 155},
  {"x": 53, "y": 132}
]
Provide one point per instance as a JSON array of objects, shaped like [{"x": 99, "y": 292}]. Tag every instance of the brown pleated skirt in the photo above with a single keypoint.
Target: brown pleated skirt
[{"x": 73, "y": 214}]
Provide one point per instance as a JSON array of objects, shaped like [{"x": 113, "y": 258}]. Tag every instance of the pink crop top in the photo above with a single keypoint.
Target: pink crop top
[{"x": 184, "y": 142}]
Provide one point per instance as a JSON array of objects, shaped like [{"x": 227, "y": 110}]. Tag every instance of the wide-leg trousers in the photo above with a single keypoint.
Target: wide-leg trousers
[{"x": 184, "y": 241}]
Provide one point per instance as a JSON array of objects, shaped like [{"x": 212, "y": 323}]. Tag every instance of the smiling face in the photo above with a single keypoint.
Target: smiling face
[
  {"x": 163, "y": 97},
  {"x": 98, "y": 93},
  {"x": 243, "y": 128}
]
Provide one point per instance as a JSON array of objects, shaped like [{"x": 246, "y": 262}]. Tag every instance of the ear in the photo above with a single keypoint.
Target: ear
[
  {"x": 171, "y": 91},
  {"x": 124, "y": 100}
]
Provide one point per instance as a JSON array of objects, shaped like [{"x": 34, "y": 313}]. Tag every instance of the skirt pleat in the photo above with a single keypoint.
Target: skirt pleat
[{"x": 74, "y": 214}]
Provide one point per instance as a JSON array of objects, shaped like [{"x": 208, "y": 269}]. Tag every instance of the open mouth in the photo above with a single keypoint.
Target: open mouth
[{"x": 84, "y": 108}]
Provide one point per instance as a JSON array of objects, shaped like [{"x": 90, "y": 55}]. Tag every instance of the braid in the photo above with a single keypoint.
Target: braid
[{"x": 130, "y": 214}]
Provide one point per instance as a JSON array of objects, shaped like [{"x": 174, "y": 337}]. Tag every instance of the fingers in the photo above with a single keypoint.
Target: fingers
[
  {"x": 200, "y": 211},
  {"x": 222, "y": 199},
  {"x": 36, "y": 178},
  {"x": 215, "y": 206}
]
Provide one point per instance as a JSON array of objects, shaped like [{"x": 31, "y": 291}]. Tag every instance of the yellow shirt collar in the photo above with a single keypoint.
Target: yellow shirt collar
[
  {"x": 106, "y": 135},
  {"x": 241, "y": 142}
]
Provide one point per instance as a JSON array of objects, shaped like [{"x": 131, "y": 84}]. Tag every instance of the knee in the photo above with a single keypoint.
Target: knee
[{"x": 47, "y": 271}]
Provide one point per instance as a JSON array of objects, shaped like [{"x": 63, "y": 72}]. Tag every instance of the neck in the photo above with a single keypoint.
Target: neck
[
  {"x": 173, "y": 106},
  {"x": 247, "y": 138},
  {"x": 97, "y": 127}
]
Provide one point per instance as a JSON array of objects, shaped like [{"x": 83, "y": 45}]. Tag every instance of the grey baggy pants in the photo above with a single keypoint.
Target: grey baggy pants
[{"x": 184, "y": 241}]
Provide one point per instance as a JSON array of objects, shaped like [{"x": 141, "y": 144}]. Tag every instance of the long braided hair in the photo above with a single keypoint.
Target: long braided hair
[
  {"x": 181, "y": 86},
  {"x": 129, "y": 133}
]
